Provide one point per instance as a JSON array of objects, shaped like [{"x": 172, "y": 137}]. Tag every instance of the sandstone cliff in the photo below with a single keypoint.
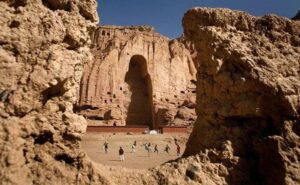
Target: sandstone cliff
[{"x": 138, "y": 77}]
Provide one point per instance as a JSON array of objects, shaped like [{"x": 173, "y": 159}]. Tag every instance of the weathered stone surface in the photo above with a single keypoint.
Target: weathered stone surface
[
  {"x": 137, "y": 77},
  {"x": 43, "y": 47},
  {"x": 248, "y": 94}
]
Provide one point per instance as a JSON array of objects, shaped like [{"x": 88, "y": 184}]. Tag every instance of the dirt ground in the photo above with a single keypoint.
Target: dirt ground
[{"x": 92, "y": 144}]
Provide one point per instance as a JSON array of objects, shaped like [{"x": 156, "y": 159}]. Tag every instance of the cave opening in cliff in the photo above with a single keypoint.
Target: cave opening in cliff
[{"x": 138, "y": 101}]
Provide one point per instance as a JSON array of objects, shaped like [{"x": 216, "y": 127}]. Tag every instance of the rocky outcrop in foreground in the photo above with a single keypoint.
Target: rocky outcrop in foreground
[
  {"x": 43, "y": 47},
  {"x": 248, "y": 94}
]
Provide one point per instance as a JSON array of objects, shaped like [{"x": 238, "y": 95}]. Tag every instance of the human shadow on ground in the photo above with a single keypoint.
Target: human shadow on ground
[{"x": 114, "y": 160}]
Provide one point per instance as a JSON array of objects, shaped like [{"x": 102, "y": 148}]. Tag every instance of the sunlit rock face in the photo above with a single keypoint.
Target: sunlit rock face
[
  {"x": 248, "y": 94},
  {"x": 138, "y": 77}
]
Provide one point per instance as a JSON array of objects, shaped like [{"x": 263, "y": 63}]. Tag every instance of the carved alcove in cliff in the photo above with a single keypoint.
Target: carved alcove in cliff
[
  {"x": 137, "y": 77},
  {"x": 138, "y": 101}
]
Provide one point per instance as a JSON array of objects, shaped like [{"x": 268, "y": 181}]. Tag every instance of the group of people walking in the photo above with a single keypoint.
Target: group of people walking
[{"x": 148, "y": 148}]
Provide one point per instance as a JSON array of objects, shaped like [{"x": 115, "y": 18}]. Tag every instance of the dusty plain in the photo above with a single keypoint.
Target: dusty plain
[{"x": 92, "y": 144}]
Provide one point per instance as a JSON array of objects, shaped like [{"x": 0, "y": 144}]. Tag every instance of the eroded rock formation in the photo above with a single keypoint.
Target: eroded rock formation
[
  {"x": 248, "y": 94},
  {"x": 138, "y": 77},
  {"x": 43, "y": 46}
]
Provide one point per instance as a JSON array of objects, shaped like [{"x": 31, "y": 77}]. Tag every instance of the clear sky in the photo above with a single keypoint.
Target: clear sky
[{"x": 166, "y": 15}]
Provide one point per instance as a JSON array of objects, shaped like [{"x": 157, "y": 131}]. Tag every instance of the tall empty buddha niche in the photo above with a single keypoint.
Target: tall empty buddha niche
[
  {"x": 107, "y": 98},
  {"x": 138, "y": 99}
]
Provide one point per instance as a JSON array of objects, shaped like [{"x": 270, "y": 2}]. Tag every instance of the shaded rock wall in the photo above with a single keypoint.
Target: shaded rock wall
[
  {"x": 43, "y": 46},
  {"x": 248, "y": 94},
  {"x": 160, "y": 91}
]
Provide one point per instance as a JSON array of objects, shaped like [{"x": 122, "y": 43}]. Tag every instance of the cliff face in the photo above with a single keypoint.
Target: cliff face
[
  {"x": 138, "y": 77},
  {"x": 43, "y": 46},
  {"x": 248, "y": 94}
]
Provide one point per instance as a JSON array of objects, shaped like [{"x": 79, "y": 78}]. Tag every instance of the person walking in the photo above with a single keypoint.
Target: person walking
[
  {"x": 105, "y": 146},
  {"x": 149, "y": 149},
  {"x": 121, "y": 154},
  {"x": 175, "y": 141},
  {"x": 167, "y": 148},
  {"x": 133, "y": 148},
  {"x": 178, "y": 149},
  {"x": 156, "y": 149}
]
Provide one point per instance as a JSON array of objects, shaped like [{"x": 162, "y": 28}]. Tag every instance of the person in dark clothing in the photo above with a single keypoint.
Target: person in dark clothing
[
  {"x": 175, "y": 141},
  {"x": 167, "y": 148},
  {"x": 178, "y": 150},
  {"x": 105, "y": 147},
  {"x": 121, "y": 154},
  {"x": 156, "y": 149}
]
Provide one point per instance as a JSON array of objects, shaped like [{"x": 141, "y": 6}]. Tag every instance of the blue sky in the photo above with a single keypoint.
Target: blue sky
[{"x": 166, "y": 15}]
